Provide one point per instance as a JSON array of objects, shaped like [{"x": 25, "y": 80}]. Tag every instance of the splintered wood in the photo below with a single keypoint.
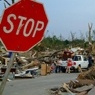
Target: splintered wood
[
  {"x": 84, "y": 84},
  {"x": 90, "y": 74}
]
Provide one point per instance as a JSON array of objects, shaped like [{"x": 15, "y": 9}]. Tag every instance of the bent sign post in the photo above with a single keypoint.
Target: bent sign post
[{"x": 22, "y": 27}]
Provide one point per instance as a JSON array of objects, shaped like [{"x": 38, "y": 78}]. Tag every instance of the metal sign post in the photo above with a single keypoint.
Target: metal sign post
[{"x": 2, "y": 86}]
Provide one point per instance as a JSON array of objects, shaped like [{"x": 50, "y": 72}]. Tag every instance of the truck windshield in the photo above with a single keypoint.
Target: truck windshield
[{"x": 76, "y": 58}]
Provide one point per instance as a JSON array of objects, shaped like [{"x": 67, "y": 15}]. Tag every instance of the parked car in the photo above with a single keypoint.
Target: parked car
[{"x": 77, "y": 60}]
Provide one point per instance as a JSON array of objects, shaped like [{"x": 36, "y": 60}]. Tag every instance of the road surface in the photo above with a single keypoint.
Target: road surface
[{"x": 38, "y": 85}]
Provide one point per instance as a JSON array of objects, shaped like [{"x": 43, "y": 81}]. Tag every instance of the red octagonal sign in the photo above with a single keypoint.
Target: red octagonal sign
[{"x": 23, "y": 25}]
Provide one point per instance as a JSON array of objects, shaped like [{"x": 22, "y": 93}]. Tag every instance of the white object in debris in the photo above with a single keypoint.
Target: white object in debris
[
  {"x": 27, "y": 71},
  {"x": 9, "y": 80}
]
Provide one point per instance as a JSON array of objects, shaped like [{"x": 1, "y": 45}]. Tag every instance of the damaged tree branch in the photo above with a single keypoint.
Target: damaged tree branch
[{"x": 7, "y": 2}]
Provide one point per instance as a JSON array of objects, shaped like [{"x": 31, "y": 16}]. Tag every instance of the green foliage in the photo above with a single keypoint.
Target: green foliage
[{"x": 55, "y": 43}]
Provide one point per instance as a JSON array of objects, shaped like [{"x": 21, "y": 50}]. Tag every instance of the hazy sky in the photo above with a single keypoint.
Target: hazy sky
[{"x": 67, "y": 16}]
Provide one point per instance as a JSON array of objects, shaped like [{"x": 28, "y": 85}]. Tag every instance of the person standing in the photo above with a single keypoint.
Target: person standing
[
  {"x": 58, "y": 65},
  {"x": 89, "y": 60},
  {"x": 69, "y": 65},
  {"x": 53, "y": 66}
]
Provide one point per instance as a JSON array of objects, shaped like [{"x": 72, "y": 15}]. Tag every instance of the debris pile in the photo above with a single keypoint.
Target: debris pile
[
  {"x": 89, "y": 74},
  {"x": 73, "y": 88},
  {"x": 84, "y": 84}
]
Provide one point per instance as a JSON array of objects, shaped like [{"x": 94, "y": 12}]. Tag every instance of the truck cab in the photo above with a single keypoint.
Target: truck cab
[{"x": 80, "y": 60}]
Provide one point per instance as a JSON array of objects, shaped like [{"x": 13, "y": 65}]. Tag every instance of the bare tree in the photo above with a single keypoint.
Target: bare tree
[
  {"x": 5, "y": 1},
  {"x": 90, "y": 30},
  {"x": 94, "y": 35},
  {"x": 13, "y": 1},
  {"x": 9, "y": 4},
  {"x": 72, "y": 36},
  {"x": 61, "y": 37}
]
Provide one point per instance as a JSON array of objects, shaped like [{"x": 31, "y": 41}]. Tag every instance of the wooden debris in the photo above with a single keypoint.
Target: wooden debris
[
  {"x": 66, "y": 87},
  {"x": 92, "y": 91},
  {"x": 74, "y": 84},
  {"x": 82, "y": 93},
  {"x": 81, "y": 89},
  {"x": 54, "y": 91},
  {"x": 85, "y": 88},
  {"x": 80, "y": 82},
  {"x": 27, "y": 66},
  {"x": 30, "y": 65},
  {"x": 90, "y": 74},
  {"x": 83, "y": 82}
]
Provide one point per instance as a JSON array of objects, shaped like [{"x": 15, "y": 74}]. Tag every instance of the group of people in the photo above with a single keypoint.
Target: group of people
[{"x": 57, "y": 68}]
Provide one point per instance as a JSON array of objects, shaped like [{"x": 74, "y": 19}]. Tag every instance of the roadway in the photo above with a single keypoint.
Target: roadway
[{"x": 38, "y": 85}]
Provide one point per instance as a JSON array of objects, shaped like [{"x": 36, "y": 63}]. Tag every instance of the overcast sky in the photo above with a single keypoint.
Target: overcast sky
[{"x": 67, "y": 16}]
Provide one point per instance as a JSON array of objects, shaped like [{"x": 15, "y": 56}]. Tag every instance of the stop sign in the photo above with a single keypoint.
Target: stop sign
[{"x": 23, "y": 25}]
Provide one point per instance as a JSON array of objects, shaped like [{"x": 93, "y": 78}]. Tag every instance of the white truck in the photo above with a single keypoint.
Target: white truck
[{"x": 77, "y": 60}]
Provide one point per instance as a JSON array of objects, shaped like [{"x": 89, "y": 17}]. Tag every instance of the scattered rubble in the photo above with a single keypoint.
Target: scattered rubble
[
  {"x": 84, "y": 84},
  {"x": 67, "y": 88},
  {"x": 89, "y": 74}
]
